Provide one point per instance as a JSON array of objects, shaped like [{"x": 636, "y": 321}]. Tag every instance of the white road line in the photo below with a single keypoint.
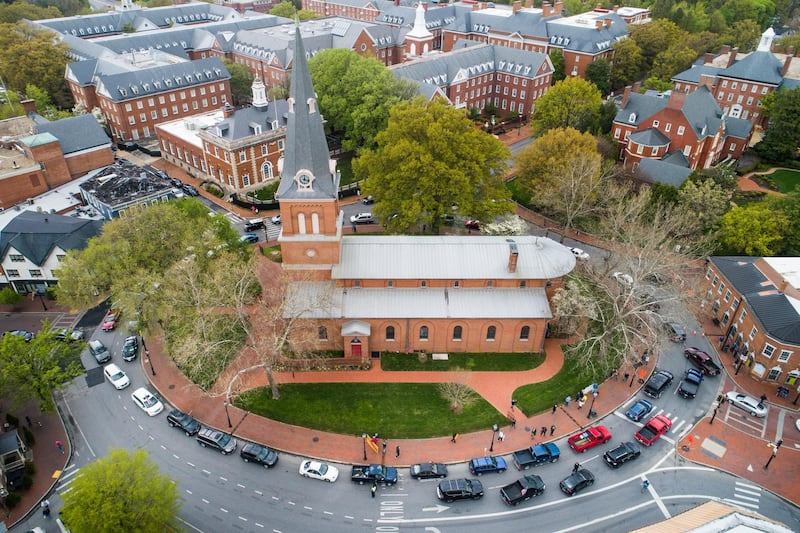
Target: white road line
[
  {"x": 206, "y": 472},
  {"x": 659, "y": 502},
  {"x": 223, "y": 478},
  {"x": 307, "y": 508},
  {"x": 151, "y": 437},
  {"x": 240, "y": 485},
  {"x": 740, "y": 497},
  {"x": 327, "y": 513},
  {"x": 188, "y": 491},
  {"x": 676, "y": 427},
  {"x": 754, "y": 493},
  {"x": 69, "y": 475},
  {"x": 349, "y": 517},
  {"x": 163, "y": 447},
  {"x": 85, "y": 440},
  {"x": 190, "y": 525},
  {"x": 175, "y": 456},
  {"x": 190, "y": 464},
  {"x": 259, "y": 525},
  {"x": 223, "y": 510},
  {"x": 754, "y": 487},
  {"x": 243, "y": 519},
  {"x": 65, "y": 490},
  {"x": 291, "y": 503},
  {"x": 205, "y": 501},
  {"x": 140, "y": 427},
  {"x": 737, "y": 502}
]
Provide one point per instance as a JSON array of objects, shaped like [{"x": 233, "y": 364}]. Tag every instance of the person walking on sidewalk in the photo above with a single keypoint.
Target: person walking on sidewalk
[
  {"x": 46, "y": 508},
  {"x": 397, "y": 451},
  {"x": 544, "y": 431},
  {"x": 554, "y": 409},
  {"x": 454, "y": 438},
  {"x": 566, "y": 401},
  {"x": 552, "y": 430},
  {"x": 501, "y": 436},
  {"x": 60, "y": 446}
]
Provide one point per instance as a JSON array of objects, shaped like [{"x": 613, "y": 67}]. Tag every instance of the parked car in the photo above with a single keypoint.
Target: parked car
[
  {"x": 129, "y": 348},
  {"x": 703, "y": 361},
  {"x": 362, "y": 218},
  {"x": 675, "y": 332},
  {"x": 747, "y": 403},
  {"x": 26, "y": 335},
  {"x": 369, "y": 200},
  {"x": 576, "y": 482},
  {"x": 451, "y": 490},
  {"x": 658, "y": 383},
  {"x": 147, "y": 402},
  {"x": 111, "y": 319},
  {"x": 639, "y": 410},
  {"x": 319, "y": 470},
  {"x": 428, "y": 470},
  {"x": 276, "y": 220},
  {"x": 690, "y": 385},
  {"x": 522, "y": 490},
  {"x": 252, "y": 238},
  {"x": 190, "y": 190},
  {"x": 626, "y": 451},
  {"x": 67, "y": 334},
  {"x": 579, "y": 254},
  {"x": 254, "y": 224},
  {"x": 211, "y": 438},
  {"x": 626, "y": 280},
  {"x": 99, "y": 351},
  {"x": 489, "y": 464},
  {"x": 116, "y": 376},
  {"x": 258, "y": 454},
  {"x": 186, "y": 423}
]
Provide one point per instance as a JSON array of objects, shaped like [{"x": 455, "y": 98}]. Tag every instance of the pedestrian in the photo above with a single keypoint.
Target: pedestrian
[
  {"x": 580, "y": 403},
  {"x": 513, "y": 422},
  {"x": 501, "y": 436},
  {"x": 567, "y": 400},
  {"x": 544, "y": 431},
  {"x": 645, "y": 485},
  {"x": 576, "y": 467},
  {"x": 763, "y": 398},
  {"x": 385, "y": 444},
  {"x": 28, "y": 420},
  {"x": 46, "y": 508},
  {"x": 397, "y": 451},
  {"x": 533, "y": 432},
  {"x": 554, "y": 409},
  {"x": 374, "y": 488},
  {"x": 626, "y": 375},
  {"x": 453, "y": 438},
  {"x": 60, "y": 446},
  {"x": 552, "y": 430}
]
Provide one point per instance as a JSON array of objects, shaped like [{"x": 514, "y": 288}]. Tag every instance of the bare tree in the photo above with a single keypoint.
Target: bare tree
[{"x": 457, "y": 393}]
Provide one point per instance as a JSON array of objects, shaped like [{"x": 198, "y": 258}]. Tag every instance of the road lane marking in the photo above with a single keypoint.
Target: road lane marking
[
  {"x": 205, "y": 501},
  {"x": 240, "y": 485},
  {"x": 223, "y": 510},
  {"x": 243, "y": 519},
  {"x": 188, "y": 491},
  {"x": 190, "y": 464},
  {"x": 223, "y": 478},
  {"x": 85, "y": 440},
  {"x": 737, "y": 502}
]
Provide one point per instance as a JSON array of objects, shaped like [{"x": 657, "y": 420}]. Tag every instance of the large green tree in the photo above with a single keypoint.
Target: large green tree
[
  {"x": 782, "y": 137},
  {"x": 429, "y": 159},
  {"x": 355, "y": 94},
  {"x": 241, "y": 82},
  {"x": 655, "y": 37},
  {"x": 628, "y": 63},
  {"x": 33, "y": 370},
  {"x": 288, "y": 10},
  {"x": 123, "y": 491},
  {"x": 671, "y": 61},
  {"x": 16, "y": 11},
  {"x": 755, "y": 230},
  {"x": 557, "y": 58},
  {"x": 599, "y": 73},
  {"x": 571, "y": 103}
]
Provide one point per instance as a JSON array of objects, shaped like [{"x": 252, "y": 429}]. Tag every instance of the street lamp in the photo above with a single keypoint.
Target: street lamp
[
  {"x": 715, "y": 405},
  {"x": 225, "y": 403},
  {"x": 147, "y": 359},
  {"x": 41, "y": 299},
  {"x": 364, "y": 440},
  {"x": 591, "y": 413},
  {"x": 494, "y": 431}
]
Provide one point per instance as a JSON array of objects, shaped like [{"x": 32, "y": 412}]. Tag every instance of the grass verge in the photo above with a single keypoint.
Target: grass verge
[
  {"x": 500, "y": 362},
  {"x": 787, "y": 180},
  {"x": 395, "y": 410}
]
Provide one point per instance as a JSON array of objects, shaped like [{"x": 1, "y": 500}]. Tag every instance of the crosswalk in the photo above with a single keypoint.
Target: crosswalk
[
  {"x": 67, "y": 476},
  {"x": 745, "y": 495},
  {"x": 680, "y": 426}
]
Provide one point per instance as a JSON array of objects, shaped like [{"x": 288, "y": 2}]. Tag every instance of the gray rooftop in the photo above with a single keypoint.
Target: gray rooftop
[
  {"x": 672, "y": 169},
  {"x": 121, "y": 184},
  {"x": 450, "y": 258},
  {"x": 75, "y": 133},
  {"x": 760, "y": 66},
  {"x": 245, "y": 121},
  {"x": 35, "y": 234},
  {"x": 639, "y": 108},
  {"x": 650, "y": 137},
  {"x": 693, "y": 73}
]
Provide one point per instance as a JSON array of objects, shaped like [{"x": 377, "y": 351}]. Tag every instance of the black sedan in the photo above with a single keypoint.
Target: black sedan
[
  {"x": 626, "y": 451},
  {"x": 186, "y": 423},
  {"x": 428, "y": 470},
  {"x": 576, "y": 482},
  {"x": 258, "y": 454},
  {"x": 130, "y": 348}
]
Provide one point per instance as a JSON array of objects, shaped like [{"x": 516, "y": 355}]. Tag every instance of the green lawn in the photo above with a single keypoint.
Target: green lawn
[
  {"x": 538, "y": 397},
  {"x": 505, "y": 362},
  {"x": 396, "y": 410},
  {"x": 787, "y": 179}
]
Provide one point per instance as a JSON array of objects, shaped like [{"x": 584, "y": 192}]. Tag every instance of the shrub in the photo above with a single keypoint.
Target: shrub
[
  {"x": 50, "y": 293},
  {"x": 213, "y": 189},
  {"x": 27, "y": 482},
  {"x": 12, "y": 499},
  {"x": 30, "y": 468},
  {"x": 10, "y": 297},
  {"x": 12, "y": 420},
  {"x": 27, "y": 434}
]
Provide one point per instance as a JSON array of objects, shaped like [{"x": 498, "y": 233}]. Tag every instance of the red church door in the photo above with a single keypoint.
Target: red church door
[{"x": 355, "y": 348}]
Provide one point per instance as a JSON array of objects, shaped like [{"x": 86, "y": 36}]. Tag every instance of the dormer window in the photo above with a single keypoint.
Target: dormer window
[{"x": 632, "y": 118}]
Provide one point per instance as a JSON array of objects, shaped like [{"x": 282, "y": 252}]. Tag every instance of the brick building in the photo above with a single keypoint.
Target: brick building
[
  {"x": 365, "y": 294},
  {"x": 238, "y": 150},
  {"x": 757, "y": 303}
]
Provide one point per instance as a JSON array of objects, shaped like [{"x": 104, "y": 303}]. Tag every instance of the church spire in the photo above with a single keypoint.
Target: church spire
[{"x": 306, "y": 168}]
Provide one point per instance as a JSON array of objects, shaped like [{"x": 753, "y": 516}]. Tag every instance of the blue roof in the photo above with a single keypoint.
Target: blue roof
[{"x": 760, "y": 66}]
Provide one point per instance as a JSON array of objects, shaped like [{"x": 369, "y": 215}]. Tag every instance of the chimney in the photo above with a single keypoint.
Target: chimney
[
  {"x": 598, "y": 24},
  {"x": 636, "y": 87},
  {"x": 513, "y": 255},
  {"x": 516, "y": 6},
  {"x": 528, "y": 4},
  {"x": 625, "y": 96},
  {"x": 558, "y": 7},
  {"x": 786, "y": 64},
  {"x": 708, "y": 58},
  {"x": 790, "y": 50},
  {"x": 707, "y": 81},
  {"x": 607, "y": 22},
  {"x": 676, "y": 100},
  {"x": 732, "y": 57},
  {"x": 228, "y": 110},
  {"x": 547, "y": 10},
  {"x": 725, "y": 49},
  {"x": 29, "y": 106}
]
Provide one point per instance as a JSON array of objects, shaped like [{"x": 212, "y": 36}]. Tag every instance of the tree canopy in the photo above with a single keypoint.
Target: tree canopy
[
  {"x": 782, "y": 137},
  {"x": 628, "y": 63},
  {"x": 123, "y": 491},
  {"x": 570, "y": 103},
  {"x": 355, "y": 94},
  {"x": 429, "y": 160},
  {"x": 288, "y": 10},
  {"x": 753, "y": 229},
  {"x": 599, "y": 73},
  {"x": 241, "y": 82}
]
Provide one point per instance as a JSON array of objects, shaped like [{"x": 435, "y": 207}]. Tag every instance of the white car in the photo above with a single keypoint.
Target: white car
[
  {"x": 747, "y": 403},
  {"x": 147, "y": 402},
  {"x": 579, "y": 254},
  {"x": 623, "y": 279},
  {"x": 116, "y": 376},
  {"x": 276, "y": 220},
  {"x": 318, "y": 470},
  {"x": 362, "y": 218}
]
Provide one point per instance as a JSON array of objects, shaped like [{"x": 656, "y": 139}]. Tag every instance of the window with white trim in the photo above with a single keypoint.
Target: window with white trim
[
  {"x": 784, "y": 356},
  {"x": 768, "y": 350},
  {"x": 708, "y": 273},
  {"x": 735, "y": 304},
  {"x": 753, "y": 333},
  {"x": 727, "y": 295},
  {"x": 773, "y": 374},
  {"x": 721, "y": 288},
  {"x": 715, "y": 281},
  {"x": 17, "y": 258},
  {"x": 742, "y": 316}
]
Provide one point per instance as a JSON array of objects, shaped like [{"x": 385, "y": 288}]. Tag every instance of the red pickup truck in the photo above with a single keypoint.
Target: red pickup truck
[
  {"x": 655, "y": 427},
  {"x": 580, "y": 442}
]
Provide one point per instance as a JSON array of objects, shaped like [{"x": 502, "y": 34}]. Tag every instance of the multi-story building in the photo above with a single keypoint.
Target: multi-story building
[
  {"x": 238, "y": 149},
  {"x": 687, "y": 130},
  {"x": 364, "y": 295},
  {"x": 756, "y": 302},
  {"x": 739, "y": 82},
  {"x": 33, "y": 244}
]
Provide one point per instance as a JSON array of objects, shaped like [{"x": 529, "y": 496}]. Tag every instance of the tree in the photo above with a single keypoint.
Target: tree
[
  {"x": 708, "y": 200},
  {"x": 628, "y": 63},
  {"x": 743, "y": 34},
  {"x": 288, "y": 10},
  {"x": 457, "y": 393},
  {"x": 557, "y": 58},
  {"x": 789, "y": 206},
  {"x": 599, "y": 73},
  {"x": 782, "y": 137},
  {"x": 429, "y": 158},
  {"x": 9, "y": 296},
  {"x": 671, "y": 61},
  {"x": 655, "y": 37},
  {"x": 14, "y": 12},
  {"x": 563, "y": 171},
  {"x": 123, "y": 491},
  {"x": 241, "y": 82},
  {"x": 355, "y": 94},
  {"x": 33, "y": 370},
  {"x": 754, "y": 230},
  {"x": 571, "y": 103}
]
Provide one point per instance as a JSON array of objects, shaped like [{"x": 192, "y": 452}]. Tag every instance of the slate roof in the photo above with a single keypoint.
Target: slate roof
[
  {"x": 76, "y": 133},
  {"x": 565, "y": 33},
  {"x": 35, "y": 234},
  {"x": 760, "y": 66},
  {"x": 741, "y": 272},
  {"x": 650, "y": 137},
  {"x": 693, "y": 73},
  {"x": 241, "y": 124},
  {"x": 667, "y": 170},
  {"x": 737, "y": 127},
  {"x": 641, "y": 106}
]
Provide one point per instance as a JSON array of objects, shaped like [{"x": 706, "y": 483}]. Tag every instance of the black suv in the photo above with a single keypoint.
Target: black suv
[
  {"x": 217, "y": 440},
  {"x": 187, "y": 424},
  {"x": 258, "y": 454},
  {"x": 576, "y": 482},
  {"x": 626, "y": 451},
  {"x": 459, "y": 489},
  {"x": 657, "y": 383},
  {"x": 130, "y": 348},
  {"x": 254, "y": 224}
]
